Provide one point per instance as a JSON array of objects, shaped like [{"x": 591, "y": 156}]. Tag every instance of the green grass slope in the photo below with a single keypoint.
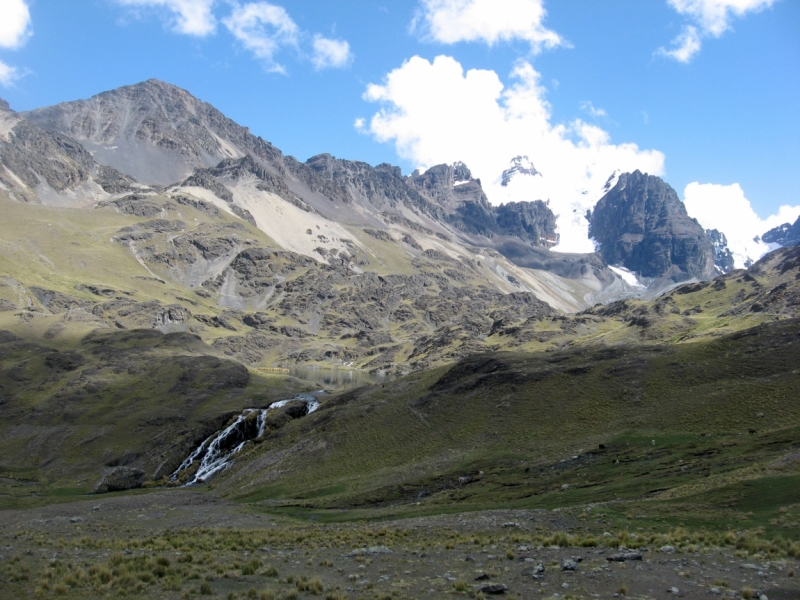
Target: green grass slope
[
  {"x": 139, "y": 398},
  {"x": 646, "y": 430}
]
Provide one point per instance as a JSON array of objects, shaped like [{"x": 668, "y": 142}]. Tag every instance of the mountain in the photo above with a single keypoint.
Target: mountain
[
  {"x": 641, "y": 224},
  {"x": 173, "y": 287},
  {"x": 520, "y": 166},
  {"x": 723, "y": 257},
  {"x": 88, "y": 386},
  {"x": 50, "y": 166},
  {"x": 785, "y": 235},
  {"x": 146, "y": 207}
]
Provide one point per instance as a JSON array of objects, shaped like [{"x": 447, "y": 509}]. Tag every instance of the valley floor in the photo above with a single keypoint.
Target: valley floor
[{"x": 186, "y": 543}]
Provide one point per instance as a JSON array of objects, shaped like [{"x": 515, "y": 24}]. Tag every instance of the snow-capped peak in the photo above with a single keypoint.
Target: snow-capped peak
[
  {"x": 519, "y": 165},
  {"x": 612, "y": 181}
]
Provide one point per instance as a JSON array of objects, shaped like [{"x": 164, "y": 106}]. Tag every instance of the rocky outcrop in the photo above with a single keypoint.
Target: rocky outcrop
[
  {"x": 785, "y": 235},
  {"x": 120, "y": 479},
  {"x": 520, "y": 166},
  {"x": 32, "y": 156},
  {"x": 723, "y": 257},
  {"x": 533, "y": 222},
  {"x": 466, "y": 207},
  {"x": 642, "y": 225}
]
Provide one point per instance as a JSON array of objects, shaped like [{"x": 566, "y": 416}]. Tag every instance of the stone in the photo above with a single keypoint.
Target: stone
[
  {"x": 667, "y": 549},
  {"x": 494, "y": 588},
  {"x": 536, "y": 572},
  {"x": 568, "y": 565},
  {"x": 120, "y": 479},
  {"x": 370, "y": 551},
  {"x": 625, "y": 556}
]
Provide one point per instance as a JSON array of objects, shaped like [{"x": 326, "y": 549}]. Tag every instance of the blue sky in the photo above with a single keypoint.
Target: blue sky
[{"x": 705, "y": 93}]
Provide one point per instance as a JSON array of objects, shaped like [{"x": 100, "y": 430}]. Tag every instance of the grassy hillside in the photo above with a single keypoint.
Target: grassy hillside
[
  {"x": 140, "y": 399},
  {"x": 639, "y": 430}
]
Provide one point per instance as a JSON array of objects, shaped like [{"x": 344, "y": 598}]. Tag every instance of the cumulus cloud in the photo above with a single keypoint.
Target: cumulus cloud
[
  {"x": 436, "y": 113},
  {"x": 190, "y": 17},
  {"x": 709, "y": 18},
  {"x": 15, "y": 29},
  {"x": 263, "y": 29},
  {"x": 487, "y": 21},
  {"x": 725, "y": 208},
  {"x": 15, "y": 23},
  {"x": 330, "y": 53}
]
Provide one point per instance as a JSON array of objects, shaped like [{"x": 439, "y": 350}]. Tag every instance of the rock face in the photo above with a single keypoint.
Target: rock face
[
  {"x": 723, "y": 257},
  {"x": 153, "y": 131},
  {"x": 785, "y": 235},
  {"x": 642, "y": 224},
  {"x": 520, "y": 165},
  {"x": 158, "y": 153},
  {"x": 120, "y": 479},
  {"x": 467, "y": 208}
]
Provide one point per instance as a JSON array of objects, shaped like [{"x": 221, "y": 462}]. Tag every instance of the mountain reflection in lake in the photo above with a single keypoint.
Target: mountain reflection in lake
[{"x": 336, "y": 379}]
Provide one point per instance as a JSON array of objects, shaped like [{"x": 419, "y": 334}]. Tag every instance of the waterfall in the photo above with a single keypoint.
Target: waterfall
[{"x": 217, "y": 451}]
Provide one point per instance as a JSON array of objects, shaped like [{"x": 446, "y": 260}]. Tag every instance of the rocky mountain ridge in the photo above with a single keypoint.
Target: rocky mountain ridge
[
  {"x": 270, "y": 259},
  {"x": 787, "y": 234},
  {"x": 643, "y": 225}
]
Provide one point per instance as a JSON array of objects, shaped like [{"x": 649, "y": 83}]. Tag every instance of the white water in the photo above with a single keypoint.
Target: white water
[{"x": 217, "y": 451}]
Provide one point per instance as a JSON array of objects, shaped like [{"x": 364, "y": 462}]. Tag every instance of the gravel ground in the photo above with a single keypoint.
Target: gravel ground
[{"x": 421, "y": 566}]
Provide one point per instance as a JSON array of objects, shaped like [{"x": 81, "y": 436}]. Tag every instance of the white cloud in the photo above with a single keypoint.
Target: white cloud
[
  {"x": 263, "y": 29},
  {"x": 15, "y": 23},
  {"x": 8, "y": 75},
  {"x": 190, "y": 17},
  {"x": 590, "y": 108},
  {"x": 330, "y": 53},
  {"x": 714, "y": 15},
  {"x": 15, "y": 29},
  {"x": 685, "y": 46},
  {"x": 488, "y": 21},
  {"x": 711, "y": 18},
  {"x": 436, "y": 113},
  {"x": 725, "y": 208}
]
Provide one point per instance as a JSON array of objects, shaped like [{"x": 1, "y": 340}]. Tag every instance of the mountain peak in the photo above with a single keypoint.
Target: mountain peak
[
  {"x": 641, "y": 223},
  {"x": 168, "y": 131},
  {"x": 520, "y": 165}
]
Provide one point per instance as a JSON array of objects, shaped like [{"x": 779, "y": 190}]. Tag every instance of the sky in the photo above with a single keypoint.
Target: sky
[{"x": 704, "y": 93}]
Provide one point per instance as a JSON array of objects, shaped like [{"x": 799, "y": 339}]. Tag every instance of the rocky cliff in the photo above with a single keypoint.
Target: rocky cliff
[
  {"x": 723, "y": 257},
  {"x": 127, "y": 145},
  {"x": 643, "y": 225},
  {"x": 785, "y": 235}
]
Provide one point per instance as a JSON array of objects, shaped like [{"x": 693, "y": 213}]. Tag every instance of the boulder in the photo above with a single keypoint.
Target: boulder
[{"x": 120, "y": 479}]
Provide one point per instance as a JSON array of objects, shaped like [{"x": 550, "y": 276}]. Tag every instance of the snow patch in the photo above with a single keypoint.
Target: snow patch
[{"x": 627, "y": 276}]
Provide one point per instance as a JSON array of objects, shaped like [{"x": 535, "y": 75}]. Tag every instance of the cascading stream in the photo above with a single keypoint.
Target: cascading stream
[{"x": 217, "y": 451}]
